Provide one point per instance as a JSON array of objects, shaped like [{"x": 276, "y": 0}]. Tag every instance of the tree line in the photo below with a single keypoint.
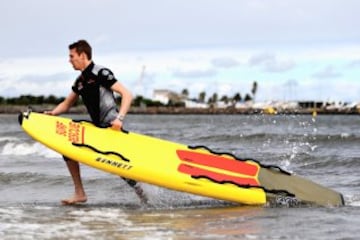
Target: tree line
[
  {"x": 215, "y": 97},
  {"x": 138, "y": 100},
  {"x": 30, "y": 99},
  {"x": 53, "y": 100}
]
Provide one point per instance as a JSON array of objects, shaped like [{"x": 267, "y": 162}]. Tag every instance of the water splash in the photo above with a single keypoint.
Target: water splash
[{"x": 24, "y": 149}]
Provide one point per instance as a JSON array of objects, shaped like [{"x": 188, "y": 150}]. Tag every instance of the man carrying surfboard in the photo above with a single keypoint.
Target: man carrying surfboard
[{"x": 95, "y": 85}]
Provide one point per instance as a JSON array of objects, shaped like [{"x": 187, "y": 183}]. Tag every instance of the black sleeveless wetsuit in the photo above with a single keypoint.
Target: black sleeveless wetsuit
[{"x": 94, "y": 87}]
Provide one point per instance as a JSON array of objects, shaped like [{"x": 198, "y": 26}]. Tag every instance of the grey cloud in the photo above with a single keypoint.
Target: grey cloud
[
  {"x": 10, "y": 92},
  {"x": 275, "y": 66},
  {"x": 195, "y": 73},
  {"x": 175, "y": 24},
  {"x": 291, "y": 83},
  {"x": 327, "y": 72},
  {"x": 269, "y": 63},
  {"x": 225, "y": 62},
  {"x": 354, "y": 64},
  {"x": 57, "y": 77},
  {"x": 261, "y": 58},
  {"x": 58, "y": 84}
]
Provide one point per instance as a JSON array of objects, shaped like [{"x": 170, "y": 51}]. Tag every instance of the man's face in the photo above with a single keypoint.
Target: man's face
[{"x": 78, "y": 61}]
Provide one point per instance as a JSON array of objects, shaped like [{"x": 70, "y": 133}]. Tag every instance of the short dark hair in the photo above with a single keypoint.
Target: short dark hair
[{"x": 82, "y": 46}]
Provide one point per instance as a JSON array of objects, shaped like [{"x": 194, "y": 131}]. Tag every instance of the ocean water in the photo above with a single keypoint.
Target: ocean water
[{"x": 33, "y": 180}]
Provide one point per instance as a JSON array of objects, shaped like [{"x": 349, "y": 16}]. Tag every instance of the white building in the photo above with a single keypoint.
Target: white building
[
  {"x": 165, "y": 96},
  {"x": 194, "y": 104}
]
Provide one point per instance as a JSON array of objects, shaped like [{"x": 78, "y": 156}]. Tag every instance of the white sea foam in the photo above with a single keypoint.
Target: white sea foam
[
  {"x": 353, "y": 200},
  {"x": 23, "y": 149},
  {"x": 7, "y": 138},
  {"x": 94, "y": 223},
  {"x": 101, "y": 215},
  {"x": 10, "y": 212},
  {"x": 345, "y": 135}
]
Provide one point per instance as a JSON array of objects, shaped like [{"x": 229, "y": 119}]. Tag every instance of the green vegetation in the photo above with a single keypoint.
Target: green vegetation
[
  {"x": 29, "y": 99},
  {"x": 24, "y": 100},
  {"x": 139, "y": 101}
]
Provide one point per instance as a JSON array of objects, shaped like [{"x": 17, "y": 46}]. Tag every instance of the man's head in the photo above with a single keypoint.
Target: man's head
[{"x": 80, "y": 54}]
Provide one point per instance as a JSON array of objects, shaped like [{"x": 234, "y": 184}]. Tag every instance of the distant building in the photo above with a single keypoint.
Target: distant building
[
  {"x": 194, "y": 104},
  {"x": 311, "y": 104},
  {"x": 222, "y": 104},
  {"x": 166, "y": 96}
]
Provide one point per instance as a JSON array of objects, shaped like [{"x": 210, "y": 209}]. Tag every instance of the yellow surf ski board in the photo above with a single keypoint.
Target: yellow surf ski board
[{"x": 196, "y": 170}]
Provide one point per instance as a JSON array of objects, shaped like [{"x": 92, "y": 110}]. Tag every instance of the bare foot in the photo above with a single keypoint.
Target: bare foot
[{"x": 74, "y": 200}]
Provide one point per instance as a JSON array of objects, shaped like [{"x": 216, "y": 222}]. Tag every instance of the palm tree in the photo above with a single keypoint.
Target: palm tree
[
  {"x": 185, "y": 93},
  {"x": 254, "y": 89},
  {"x": 248, "y": 97},
  {"x": 224, "y": 99},
  {"x": 202, "y": 96},
  {"x": 214, "y": 98},
  {"x": 237, "y": 97}
]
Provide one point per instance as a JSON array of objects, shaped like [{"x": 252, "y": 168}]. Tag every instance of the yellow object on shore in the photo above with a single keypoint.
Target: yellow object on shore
[
  {"x": 270, "y": 111},
  {"x": 314, "y": 114},
  {"x": 196, "y": 170}
]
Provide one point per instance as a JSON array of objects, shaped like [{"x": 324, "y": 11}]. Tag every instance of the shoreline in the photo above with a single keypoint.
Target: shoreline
[{"x": 14, "y": 109}]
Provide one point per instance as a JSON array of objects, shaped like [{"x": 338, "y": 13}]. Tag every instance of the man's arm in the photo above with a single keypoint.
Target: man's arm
[
  {"x": 126, "y": 99},
  {"x": 65, "y": 105}
]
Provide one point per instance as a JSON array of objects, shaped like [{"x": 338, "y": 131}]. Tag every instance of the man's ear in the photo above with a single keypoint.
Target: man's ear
[{"x": 83, "y": 56}]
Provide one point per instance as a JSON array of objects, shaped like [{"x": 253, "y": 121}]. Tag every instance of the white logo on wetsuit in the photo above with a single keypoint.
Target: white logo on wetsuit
[
  {"x": 80, "y": 86},
  {"x": 108, "y": 74},
  {"x": 105, "y": 72},
  {"x": 110, "y": 77},
  {"x": 90, "y": 81}
]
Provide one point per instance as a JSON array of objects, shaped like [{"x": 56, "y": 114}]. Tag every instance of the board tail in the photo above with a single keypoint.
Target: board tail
[
  {"x": 280, "y": 186},
  {"x": 304, "y": 190}
]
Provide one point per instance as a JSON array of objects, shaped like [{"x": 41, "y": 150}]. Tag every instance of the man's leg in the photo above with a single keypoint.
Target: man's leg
[
  {"x": 79, "y": 195},
  {"x": 138, "y": 190}
]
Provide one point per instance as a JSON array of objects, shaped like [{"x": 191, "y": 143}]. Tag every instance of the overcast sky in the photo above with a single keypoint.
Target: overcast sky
[{"x": 295, "y": 50}]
